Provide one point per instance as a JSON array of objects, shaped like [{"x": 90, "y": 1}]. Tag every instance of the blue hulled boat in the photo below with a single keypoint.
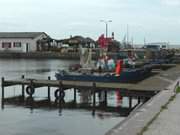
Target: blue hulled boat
[{"x": 128, "y": 75}]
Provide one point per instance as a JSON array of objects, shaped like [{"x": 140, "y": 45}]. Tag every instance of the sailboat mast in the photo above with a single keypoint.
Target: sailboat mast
[{"x": 127, "y": 33}]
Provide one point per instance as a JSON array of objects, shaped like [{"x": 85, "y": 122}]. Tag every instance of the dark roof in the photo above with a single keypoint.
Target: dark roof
[{"x": 21, "y": 34}]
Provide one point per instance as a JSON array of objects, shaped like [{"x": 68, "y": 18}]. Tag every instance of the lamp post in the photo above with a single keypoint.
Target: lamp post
[{"x": 106, "y": 23}]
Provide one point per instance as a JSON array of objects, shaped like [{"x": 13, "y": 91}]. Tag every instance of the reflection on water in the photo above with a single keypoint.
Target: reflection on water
[
  {"x": 37, "y": 71},
  {"x": 119, "y": 98},
  {"x": 33, "y": 68},
  {"x": 29, "y": 120},
  {"x": 85, "y": 96},
  {"x": 84, "y": 102}
]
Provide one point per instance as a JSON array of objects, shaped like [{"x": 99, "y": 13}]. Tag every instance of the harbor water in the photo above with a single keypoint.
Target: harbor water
[{"x": 21, "y": 120}]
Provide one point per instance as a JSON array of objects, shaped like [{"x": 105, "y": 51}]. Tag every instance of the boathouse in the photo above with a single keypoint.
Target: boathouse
[{"x": 22, "y": 41}]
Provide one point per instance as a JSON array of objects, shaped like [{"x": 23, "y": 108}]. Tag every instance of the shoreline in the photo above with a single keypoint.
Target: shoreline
[
  {"x": 38, "y": 55},
  {"x": 48, "y": 55}
]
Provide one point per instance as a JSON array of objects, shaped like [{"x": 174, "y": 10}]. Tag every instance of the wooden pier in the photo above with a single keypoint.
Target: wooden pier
[
  {"x": 130, "y": 88},
  {"x": 142, "y": 90},
  {"x": 145, "y": 88},
  {"x": 29, "y": 86}
]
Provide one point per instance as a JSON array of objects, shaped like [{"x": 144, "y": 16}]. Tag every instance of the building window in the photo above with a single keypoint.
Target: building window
[
  {"x": 17, "y": 44},
  {"x": 6, "y": 45}
]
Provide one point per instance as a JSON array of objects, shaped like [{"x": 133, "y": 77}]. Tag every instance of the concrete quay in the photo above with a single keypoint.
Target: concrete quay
[
  {"x": 167, "y": 123},
  {"x": 143, "y": 118}
]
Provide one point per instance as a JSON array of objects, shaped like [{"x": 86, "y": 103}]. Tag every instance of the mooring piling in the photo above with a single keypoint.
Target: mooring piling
[
  {"x": 130, "y": 102},
  {"x": 94, "y": 95},
  {"x": 94, "y": 99},
  {"x": 75, "y": 95},
  {"x": 2, "y": 94},
  {"x": 105, "y": 97},
  {"x": 23, "y": 88},
  {"x": 139, "y": 100},
  {"x": 2, "y": 84},
  {"x": 49, "y": 90}
]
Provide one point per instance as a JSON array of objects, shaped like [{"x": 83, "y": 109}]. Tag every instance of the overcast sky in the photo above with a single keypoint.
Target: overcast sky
[{"x": 156, "y": 20}]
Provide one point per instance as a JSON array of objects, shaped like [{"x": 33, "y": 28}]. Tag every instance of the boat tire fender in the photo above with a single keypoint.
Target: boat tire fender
[
  {"x": 30, "y": 90},
  {"x": 59, "y": 94}
]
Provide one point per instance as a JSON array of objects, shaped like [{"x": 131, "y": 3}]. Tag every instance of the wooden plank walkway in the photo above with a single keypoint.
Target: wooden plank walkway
[
  {"x": 66, "y": 84},
  {"x": 146, "y": 85}
]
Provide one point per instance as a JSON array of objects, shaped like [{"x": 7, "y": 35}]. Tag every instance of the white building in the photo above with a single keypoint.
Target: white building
[
  {"x": 21, "y": 41},
  {"x": 157, "y": 45}
]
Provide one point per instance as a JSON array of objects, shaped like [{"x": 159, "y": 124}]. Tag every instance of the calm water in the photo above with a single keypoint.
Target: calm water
[{"x": 17, "y": 120}]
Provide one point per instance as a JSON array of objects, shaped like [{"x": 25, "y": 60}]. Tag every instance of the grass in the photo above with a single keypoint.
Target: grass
[
  {"x": 145, "y": 128},
  {"x": 178, "y": 90}
]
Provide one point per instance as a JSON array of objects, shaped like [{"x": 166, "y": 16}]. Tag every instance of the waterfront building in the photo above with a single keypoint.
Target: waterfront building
[
  {"x": 23, "y": 41},
  {"x": 74, "y": 43}
]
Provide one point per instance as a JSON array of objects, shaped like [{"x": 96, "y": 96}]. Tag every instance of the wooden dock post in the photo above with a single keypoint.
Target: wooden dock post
[
  {"x": 31, "y": 84},
  {"x": 2, "y": 98},
  {"x": 130, "y": 102},
  {"x": 23, "y": 88},
  {"x": 94, "y": 94},
  {"x": 94, "y": 98},
  {"x": 139, "y": 100},
  {"x": 105, "y": 97},
  {"x": 49, "y": 90},
  {"x": 2, "y": 84},
  {"x": 74, "y": 95},
  {"x": 60, "y": 97}
]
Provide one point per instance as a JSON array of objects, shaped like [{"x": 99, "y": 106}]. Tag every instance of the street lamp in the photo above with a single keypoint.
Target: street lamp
[{"x": 106, "y": 23}]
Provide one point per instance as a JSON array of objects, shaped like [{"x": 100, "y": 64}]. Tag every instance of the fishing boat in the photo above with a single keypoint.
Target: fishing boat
[
  {"x": 124, "y": 72},
  {"x": 128, "y": 75},
  {"x": 104, "y": 72}
]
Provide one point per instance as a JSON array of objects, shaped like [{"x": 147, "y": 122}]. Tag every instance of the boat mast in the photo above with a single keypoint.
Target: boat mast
[{"x": 127, "y": 34}]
